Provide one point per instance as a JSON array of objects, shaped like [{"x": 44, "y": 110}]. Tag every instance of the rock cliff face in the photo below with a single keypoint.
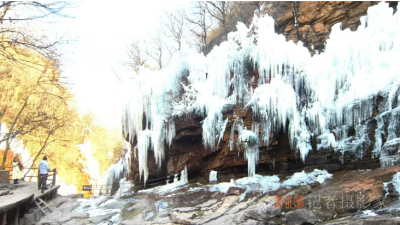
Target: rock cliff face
[{"x": 315, "y": 20}]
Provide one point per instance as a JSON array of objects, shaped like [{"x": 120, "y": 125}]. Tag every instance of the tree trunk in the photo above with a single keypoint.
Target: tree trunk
[
  {"x": 37, "y": 155},
  {"x": 9, "y": 133},
  {"x": 5, "y": 154}
]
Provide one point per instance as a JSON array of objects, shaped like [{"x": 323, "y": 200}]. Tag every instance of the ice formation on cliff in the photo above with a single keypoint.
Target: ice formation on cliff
[
  {"x": 248, "y": 140},
  {"x": 326, "y": 95},
  {"x": 396, "y": 182},
  {"x": 117, "y": 173},
  {"x": 213, "y": 176}
]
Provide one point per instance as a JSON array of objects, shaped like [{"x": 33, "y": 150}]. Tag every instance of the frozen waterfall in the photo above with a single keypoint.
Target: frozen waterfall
[{"x": 324, "y": 95}]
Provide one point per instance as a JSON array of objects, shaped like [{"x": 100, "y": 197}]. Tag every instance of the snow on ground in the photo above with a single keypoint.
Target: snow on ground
[
  {"x": 303, "y": 178},
  {"x": 272, "y": 183},
  {"x": 257, "y": 183}
]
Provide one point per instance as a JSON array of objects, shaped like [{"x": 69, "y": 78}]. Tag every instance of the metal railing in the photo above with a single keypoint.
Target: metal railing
[
  {"x": 50, "y": 176},
  {"x": 11, "y": 171},
  {"x": 105, "y": 189},
  {"x": 160, "y": 181},
  {"x": 53, "y": 179}
]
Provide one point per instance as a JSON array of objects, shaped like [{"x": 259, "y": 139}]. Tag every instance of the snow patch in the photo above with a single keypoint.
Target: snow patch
[{"x": 303, "y": 178}]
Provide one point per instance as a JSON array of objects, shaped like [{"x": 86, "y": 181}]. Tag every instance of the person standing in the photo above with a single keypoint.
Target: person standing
[
  {"x": 44, "y": 169},
  {"x": 17, "y": 173}
]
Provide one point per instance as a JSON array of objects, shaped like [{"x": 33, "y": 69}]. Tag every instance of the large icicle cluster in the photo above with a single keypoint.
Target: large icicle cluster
[
  {"x": 121, "y": 169},
  {"x": 326, "y": 95},
  {"x": 248, "y": 140}
]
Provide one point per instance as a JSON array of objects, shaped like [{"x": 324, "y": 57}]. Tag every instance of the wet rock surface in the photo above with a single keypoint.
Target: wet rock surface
[
  {"x": 230, "y": 203},
  {"x": 101, "y": 218},
  {"x": 200, "y": 204},
  {"x": 75, "y": 211}
]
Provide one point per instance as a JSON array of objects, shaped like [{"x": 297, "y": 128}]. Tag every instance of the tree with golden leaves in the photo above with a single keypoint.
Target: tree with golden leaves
[
  {"x": 30, "y": 99},
  {"x": 29, "y": 81}
]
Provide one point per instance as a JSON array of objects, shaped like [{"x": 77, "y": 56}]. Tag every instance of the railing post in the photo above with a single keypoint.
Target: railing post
[
  {"x": 53, "y": 183},
  {"x": 30, "y": 178},
  {"x": 38, "y": 179}
]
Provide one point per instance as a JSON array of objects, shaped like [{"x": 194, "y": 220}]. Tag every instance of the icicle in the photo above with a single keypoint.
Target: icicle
[
  {"x": 128, "y": 158},
  {"x": 238, "y": 122},
  {"x": 378, "y": 137},
  {"x": 221, "y": 133},
  {"x": 116, "y": 172},
  {"x": 252, "y": 156},
  {"x": 327, "y": 141},
  {"x": 274, "y": 104},
  {"x": 184, "y": 177},
  {"x": 143, "y": 146},
  {"x": 213, "y": 176},
  {"x": 249, "y": 141},
  {"x": 157, "y": 136},
  {"x": 214, "y": 124},
  {"x": 171, "y": 132},
  {"x": 396, "y": 182},
  {"x": 255, "y": 127}
]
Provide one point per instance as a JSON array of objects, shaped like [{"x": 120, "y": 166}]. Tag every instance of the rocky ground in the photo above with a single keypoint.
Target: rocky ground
[
  {"x": 62, "y": 213},
  {"x": 74, "y": 210},
  {"x": 349, "y": 197}
]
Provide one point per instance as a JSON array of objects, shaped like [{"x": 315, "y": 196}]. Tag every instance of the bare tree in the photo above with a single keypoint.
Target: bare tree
[
  {"x": 136, "y": 56},
  {"x": 199, "y": 19},
  {"x": 156, "y": 48},
  {"x": 32, "y": 10},
  {"x": 15, "y": 35},
  {"x": 221, "y": 11},
  {"x": 173, "y": 26}
]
